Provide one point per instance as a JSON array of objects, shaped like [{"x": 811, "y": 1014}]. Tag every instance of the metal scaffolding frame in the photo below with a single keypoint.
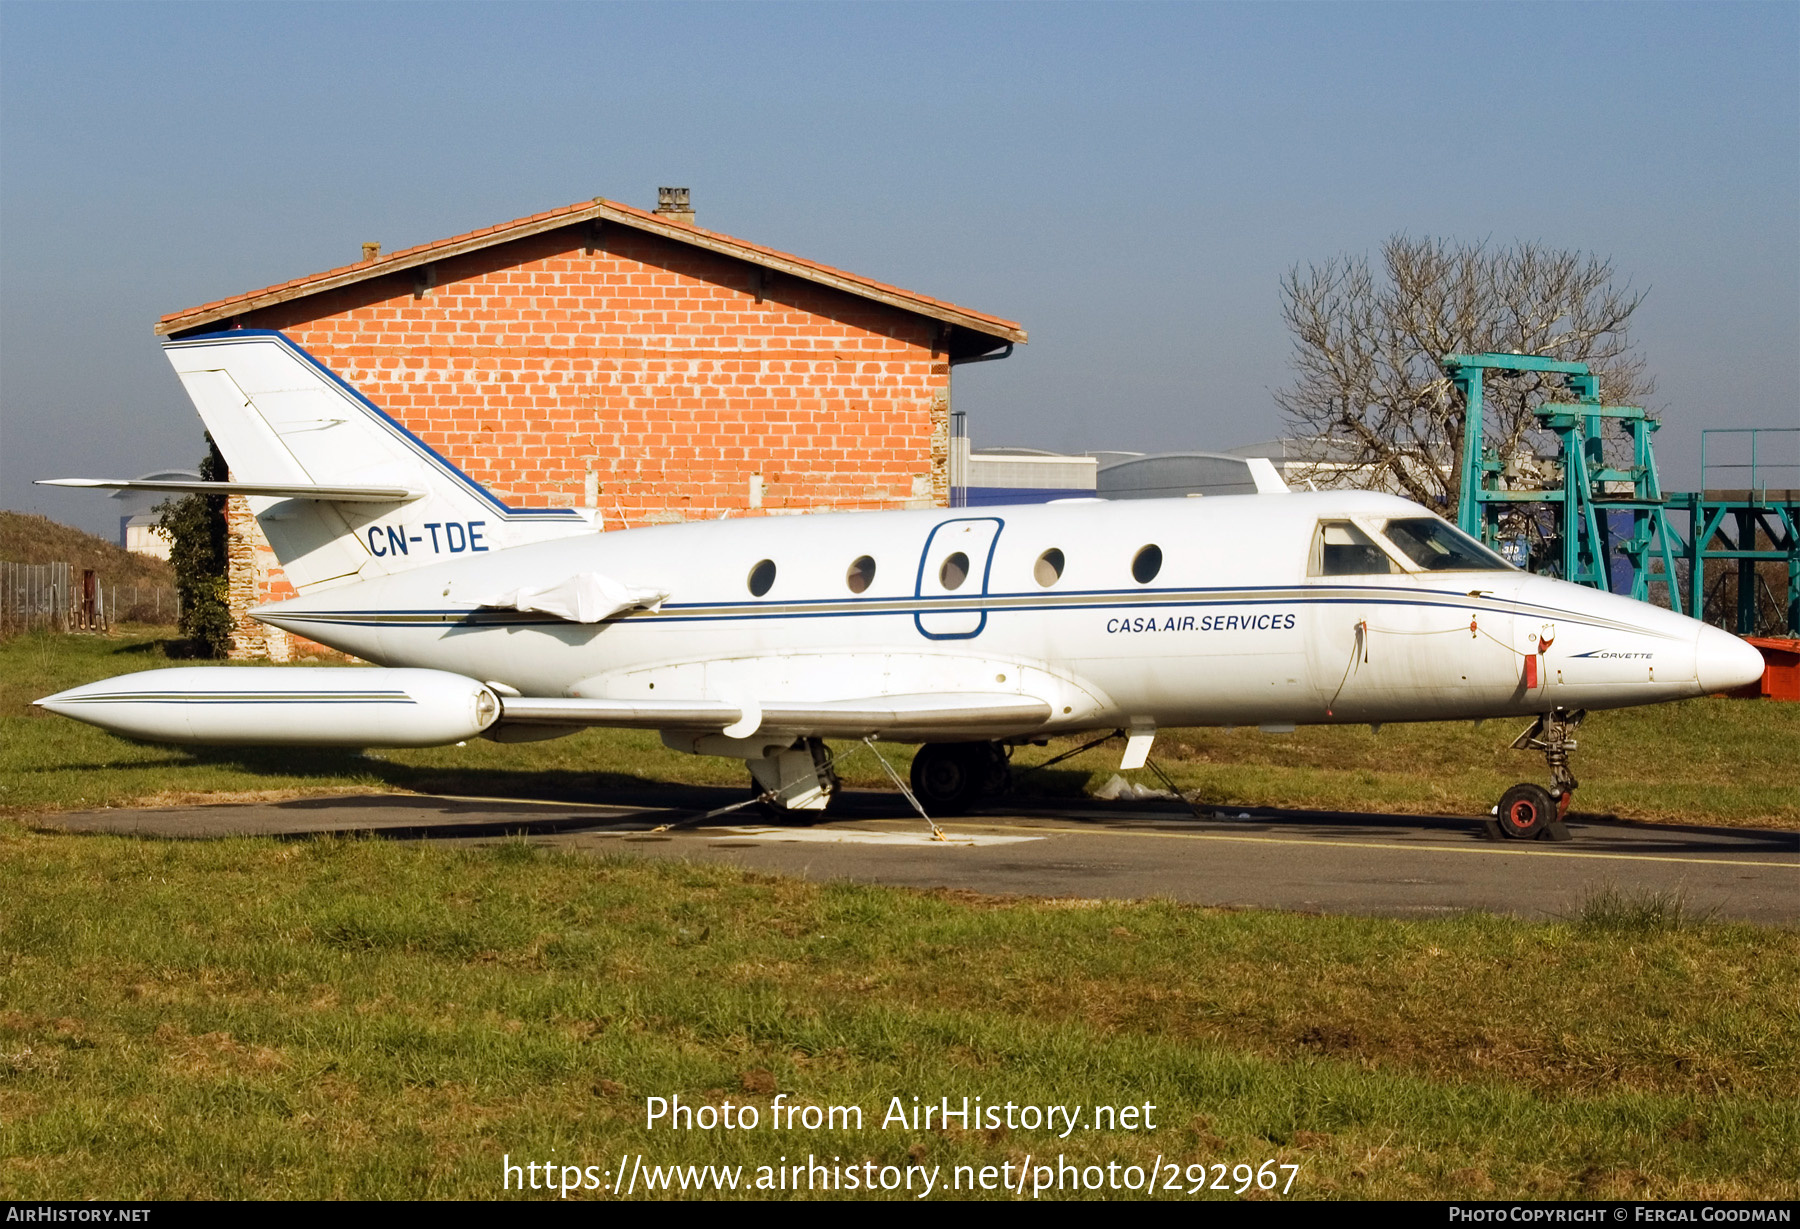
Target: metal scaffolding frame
[{"x": 1582, "y": 513}]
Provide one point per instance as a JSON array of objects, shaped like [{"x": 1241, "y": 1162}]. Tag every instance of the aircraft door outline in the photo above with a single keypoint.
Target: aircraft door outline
[{"x": 974, "y": 538}]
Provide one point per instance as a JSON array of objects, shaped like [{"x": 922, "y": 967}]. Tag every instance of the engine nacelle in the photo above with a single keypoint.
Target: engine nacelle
[{"x": 310, "y": 706}]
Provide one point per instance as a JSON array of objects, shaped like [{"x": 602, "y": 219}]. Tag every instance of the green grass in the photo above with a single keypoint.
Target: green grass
[
  {"x": 1702, "y": 761},
  {"x": 1705, "y": 761},
  {"x": 25, "y": 538},
  {"x": 378, "y": 1019},
  {"x": 1612, "y": 908},
  {"x": 362, "y": 1018}
]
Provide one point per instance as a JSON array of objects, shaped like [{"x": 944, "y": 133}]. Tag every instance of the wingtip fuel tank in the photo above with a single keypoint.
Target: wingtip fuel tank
[{"x": 253, "y": 706}]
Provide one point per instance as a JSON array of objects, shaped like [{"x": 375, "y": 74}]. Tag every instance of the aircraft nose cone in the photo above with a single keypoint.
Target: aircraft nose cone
[{"x": 1722, "y": 662}]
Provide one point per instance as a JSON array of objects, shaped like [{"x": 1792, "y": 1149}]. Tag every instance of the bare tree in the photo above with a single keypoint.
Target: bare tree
[{"x": 1369, "y": 393}]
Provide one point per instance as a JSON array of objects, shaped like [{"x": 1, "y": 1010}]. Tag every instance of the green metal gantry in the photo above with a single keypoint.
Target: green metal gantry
[{"x": 1722, "y": 526}]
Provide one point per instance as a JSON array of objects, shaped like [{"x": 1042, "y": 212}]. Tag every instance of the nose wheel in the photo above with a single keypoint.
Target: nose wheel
[
  {"x": 1525, "y": 811},
  {"x": 1531, "y": 812}
]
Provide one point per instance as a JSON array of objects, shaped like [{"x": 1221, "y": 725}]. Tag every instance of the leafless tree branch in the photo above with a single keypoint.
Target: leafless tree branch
[{"x": 1368, "y": 390}]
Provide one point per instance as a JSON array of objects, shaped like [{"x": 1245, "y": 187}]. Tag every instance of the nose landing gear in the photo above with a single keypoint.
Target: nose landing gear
[{"x": 1526, "y": 812}]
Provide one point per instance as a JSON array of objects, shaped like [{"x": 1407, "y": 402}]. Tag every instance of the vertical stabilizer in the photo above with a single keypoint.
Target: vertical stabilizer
[{"x": 283, "y": 419}]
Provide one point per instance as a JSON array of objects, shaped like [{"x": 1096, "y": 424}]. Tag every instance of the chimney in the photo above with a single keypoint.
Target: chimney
[
  {"x": 672, "y": 203},
  {"x": 371, "y": 251}
]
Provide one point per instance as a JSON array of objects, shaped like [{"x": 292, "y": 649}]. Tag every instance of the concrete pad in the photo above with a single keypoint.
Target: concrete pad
[{"x": 1390, "y": 865}]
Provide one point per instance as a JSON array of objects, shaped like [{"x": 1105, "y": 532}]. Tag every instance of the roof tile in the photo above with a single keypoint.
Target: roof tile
[{"x": 500, "y": 233}]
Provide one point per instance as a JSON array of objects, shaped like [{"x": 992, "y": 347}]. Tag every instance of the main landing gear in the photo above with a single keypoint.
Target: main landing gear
[
  {"x": 1527, "y": 812},
  {"x": 949, "y": 778},
  {"x": 799, "y": 782}
]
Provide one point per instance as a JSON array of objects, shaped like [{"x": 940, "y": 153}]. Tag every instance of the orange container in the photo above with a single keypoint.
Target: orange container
[{"x": 1781, "y": 671}]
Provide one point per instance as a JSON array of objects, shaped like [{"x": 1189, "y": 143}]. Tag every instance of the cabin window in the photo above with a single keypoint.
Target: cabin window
[
  {"x": 1146, "y": 564},
  {"x": 1049, "y": 567},
  {"x": 1341, "y": 549},
  {"x": 762, "y": 577},
  {"x": 954, "y": 571},
  {"x": 1438, "y": 546},
  {"x": 861, "y": 574}
]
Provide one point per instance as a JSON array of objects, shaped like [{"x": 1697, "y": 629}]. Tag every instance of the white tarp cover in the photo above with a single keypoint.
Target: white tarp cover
[
  {"x": 586, "y": 597},
  {"x": 1119, "y": 788}
]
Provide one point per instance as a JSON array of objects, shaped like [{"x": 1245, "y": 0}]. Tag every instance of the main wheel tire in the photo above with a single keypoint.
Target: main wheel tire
[
  {"x": 996, "y": 777},
  {"x": 947, "y": 777},
  {"x": 762, "y": 807},
  {"x": 1525, "y": 810}
]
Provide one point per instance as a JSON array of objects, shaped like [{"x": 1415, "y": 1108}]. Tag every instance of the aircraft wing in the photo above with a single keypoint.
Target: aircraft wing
[
  {"x": 980, "y": 715},
  {"x": 329, "y": 494}
]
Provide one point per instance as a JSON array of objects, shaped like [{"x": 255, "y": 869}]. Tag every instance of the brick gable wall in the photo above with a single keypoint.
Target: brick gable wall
[{"x": 690, "y": 383}]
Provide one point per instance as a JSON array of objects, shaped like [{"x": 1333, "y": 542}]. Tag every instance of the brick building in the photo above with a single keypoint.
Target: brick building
[{"x": 606, "y": 356}]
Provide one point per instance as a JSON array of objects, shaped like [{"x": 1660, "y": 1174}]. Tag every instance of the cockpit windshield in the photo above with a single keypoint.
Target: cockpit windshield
[
  {"x": 1438, "y": 546},
  {"x": 1341, "y": 549}
]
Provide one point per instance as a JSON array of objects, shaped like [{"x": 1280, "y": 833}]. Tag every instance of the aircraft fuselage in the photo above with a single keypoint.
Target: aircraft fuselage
[{"x": 1228, "y": 620}]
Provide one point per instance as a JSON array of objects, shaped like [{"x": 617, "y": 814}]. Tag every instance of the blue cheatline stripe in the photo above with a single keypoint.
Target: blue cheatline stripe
[
  {"x": 1001, "y": 603},
  {"x": 214, "y": 697},
  {"x": 430, "y": 455}
]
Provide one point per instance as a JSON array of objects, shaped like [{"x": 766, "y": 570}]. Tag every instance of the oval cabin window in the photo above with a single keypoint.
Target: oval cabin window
[
  {"x": 1147, "y": 564},
  {"x": 861, "y": 574},
  {"x": 1049, "y": 567},
  {"x": 954, "y": 571},
  {"x": 762, "y": 577}
]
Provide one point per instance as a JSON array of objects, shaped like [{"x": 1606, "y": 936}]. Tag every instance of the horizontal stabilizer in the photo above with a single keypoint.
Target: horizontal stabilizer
[
  {"x": 328, "y": 494},
  {"x": 889, "y": 715}
]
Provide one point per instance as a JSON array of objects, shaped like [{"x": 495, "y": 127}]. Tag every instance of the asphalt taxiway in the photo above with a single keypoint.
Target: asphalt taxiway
[{"x": 1387, "y": 865}]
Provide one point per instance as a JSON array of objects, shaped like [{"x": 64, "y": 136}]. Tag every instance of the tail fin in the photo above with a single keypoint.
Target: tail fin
[{"x": 353, "y": 493}]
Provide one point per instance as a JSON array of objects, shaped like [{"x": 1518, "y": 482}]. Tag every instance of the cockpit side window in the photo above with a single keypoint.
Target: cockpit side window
[
  {"x": 1438, "y": 546},
  {"x": 1341, "y": 549}
]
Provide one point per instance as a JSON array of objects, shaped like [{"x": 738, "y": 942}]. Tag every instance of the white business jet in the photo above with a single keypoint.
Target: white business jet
[{"x": 967, "y": 630}]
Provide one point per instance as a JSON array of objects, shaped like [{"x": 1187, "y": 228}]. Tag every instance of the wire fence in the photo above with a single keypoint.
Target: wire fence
[{"x": 54, "y": 597}]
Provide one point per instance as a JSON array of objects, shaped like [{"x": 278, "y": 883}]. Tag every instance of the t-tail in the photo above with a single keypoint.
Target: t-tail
[{"x": 341, "y": 490}]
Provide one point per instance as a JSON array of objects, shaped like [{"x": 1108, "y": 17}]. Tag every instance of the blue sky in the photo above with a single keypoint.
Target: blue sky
[{"x": 1129, "y": 181}]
